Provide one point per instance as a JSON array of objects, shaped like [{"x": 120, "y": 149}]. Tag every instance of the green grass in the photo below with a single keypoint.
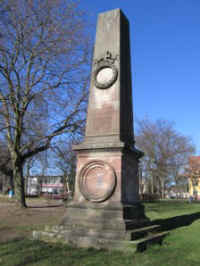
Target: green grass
[
  {"x": 180, "y": 248},
  {"x": 165, "y": 209}
]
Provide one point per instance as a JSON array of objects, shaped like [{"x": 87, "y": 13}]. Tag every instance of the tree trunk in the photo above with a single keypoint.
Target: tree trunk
[
  {"x": 152, "y": 184},
  {"x": 163, "y": 188},
  {"x": 11, "y": 181},
  {"x": 19, "y": 184}
]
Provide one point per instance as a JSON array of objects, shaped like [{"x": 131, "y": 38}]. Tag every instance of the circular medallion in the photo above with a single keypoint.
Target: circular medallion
[
  {"x": 97, "y": 181},
  {"x": 105, "y": 76}
]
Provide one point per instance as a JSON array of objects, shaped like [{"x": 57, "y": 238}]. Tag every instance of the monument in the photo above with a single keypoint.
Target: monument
[
  {"x": 105, "y": 211},
  {"x": 106, "y": 199}
]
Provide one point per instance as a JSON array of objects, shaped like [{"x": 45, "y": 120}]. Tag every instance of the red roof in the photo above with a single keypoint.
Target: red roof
[{"x": 194, "y": 160}]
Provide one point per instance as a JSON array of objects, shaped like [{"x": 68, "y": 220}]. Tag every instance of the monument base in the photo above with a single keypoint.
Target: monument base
[
  {"x": 105, "y": 207},
  {"x": 92, "y": 225},
  {"x": 96, "y": 226}
]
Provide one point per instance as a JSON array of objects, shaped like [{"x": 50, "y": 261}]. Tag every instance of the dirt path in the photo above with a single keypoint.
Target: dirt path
[{"x": 16, "y": 222}]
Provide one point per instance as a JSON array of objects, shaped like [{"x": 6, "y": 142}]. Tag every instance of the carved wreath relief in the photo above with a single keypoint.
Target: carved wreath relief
[
  {"x": 105, "y": 73},
  {"x": 97, "y": 181}
]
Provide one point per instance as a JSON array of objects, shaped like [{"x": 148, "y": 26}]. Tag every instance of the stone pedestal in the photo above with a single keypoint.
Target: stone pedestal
[{"x": 106, "y": 201}]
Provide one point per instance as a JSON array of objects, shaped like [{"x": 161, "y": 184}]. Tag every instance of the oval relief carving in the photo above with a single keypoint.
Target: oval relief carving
[
  {"x": 97, "y": 181},
  {"x": 105, "y": 76},
  {"x": 106, "y": 72}
]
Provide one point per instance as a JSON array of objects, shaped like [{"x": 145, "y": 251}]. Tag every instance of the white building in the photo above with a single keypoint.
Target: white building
[{"x": 36, "y": 185}]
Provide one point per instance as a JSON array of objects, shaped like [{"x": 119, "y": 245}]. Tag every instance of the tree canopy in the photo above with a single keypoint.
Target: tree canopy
[
  {"x": 166, "y": 153},
  {"x": 44, "y": 66}
]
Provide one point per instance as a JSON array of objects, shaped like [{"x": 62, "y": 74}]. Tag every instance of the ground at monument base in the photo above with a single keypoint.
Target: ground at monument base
[{"x": 180, "y": 248}]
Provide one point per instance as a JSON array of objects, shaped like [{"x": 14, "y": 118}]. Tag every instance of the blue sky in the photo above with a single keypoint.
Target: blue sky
[{"x": 165, "y": 48}]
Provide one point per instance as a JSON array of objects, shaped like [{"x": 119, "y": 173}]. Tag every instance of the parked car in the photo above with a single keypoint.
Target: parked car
[{"x": 53, "y": 195}]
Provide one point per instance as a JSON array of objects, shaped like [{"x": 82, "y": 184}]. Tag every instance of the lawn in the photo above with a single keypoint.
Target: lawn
[{"x": 180, "y": 248}]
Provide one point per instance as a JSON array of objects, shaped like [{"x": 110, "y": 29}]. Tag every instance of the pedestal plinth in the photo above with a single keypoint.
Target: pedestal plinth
[{"x": 106, "y": 202}]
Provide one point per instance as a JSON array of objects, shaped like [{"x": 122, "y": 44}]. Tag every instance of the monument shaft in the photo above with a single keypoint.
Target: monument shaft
[{"x": 110, "y": 108}]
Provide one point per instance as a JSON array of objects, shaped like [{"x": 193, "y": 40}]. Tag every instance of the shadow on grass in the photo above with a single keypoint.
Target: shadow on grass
[{"x": 177, "y": 221}]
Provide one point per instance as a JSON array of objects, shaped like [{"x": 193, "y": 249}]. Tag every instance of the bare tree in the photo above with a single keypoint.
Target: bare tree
[
  {"x": 166, "y": 153},
  {"x": 44, "y": 63},
  {"x": 66, "y": 162}
]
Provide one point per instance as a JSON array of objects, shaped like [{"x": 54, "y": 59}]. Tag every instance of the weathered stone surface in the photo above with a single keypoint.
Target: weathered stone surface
[
  {"x": 106, "y": 199},
  {"x": 110, "y": 118},
  {"x": 124, "y": 165},
  {"x": 107, "y": 187},
  {"x": 97, "y": 180}
]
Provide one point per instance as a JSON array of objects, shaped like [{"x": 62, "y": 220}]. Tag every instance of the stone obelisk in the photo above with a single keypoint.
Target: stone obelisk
[{"x": 106, "y": 197}]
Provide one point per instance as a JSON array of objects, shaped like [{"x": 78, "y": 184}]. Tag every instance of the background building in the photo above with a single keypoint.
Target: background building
[
  {"x": 194, "y": 176},
  {"x": 36, "y": 185}
]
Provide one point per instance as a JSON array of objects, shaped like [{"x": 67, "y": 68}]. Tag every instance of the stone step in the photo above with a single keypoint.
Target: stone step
[
  {"x": 138, "y": 233},
  {"x": 132, "y": 234},
  {"x": 150, "y": 240},
  {"x": 88, "y": 241},
  {"x": 104, "y": 243},
  {"x": 92, "y": 232},
  {"x": 132, "y": 224}
]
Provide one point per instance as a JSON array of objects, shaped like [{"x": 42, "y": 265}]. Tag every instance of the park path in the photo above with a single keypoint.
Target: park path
[{"x": 17, "y": 223}]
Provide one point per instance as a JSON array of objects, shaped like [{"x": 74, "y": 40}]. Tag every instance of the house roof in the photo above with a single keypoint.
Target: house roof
[{"x": 194, "y": 161}]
